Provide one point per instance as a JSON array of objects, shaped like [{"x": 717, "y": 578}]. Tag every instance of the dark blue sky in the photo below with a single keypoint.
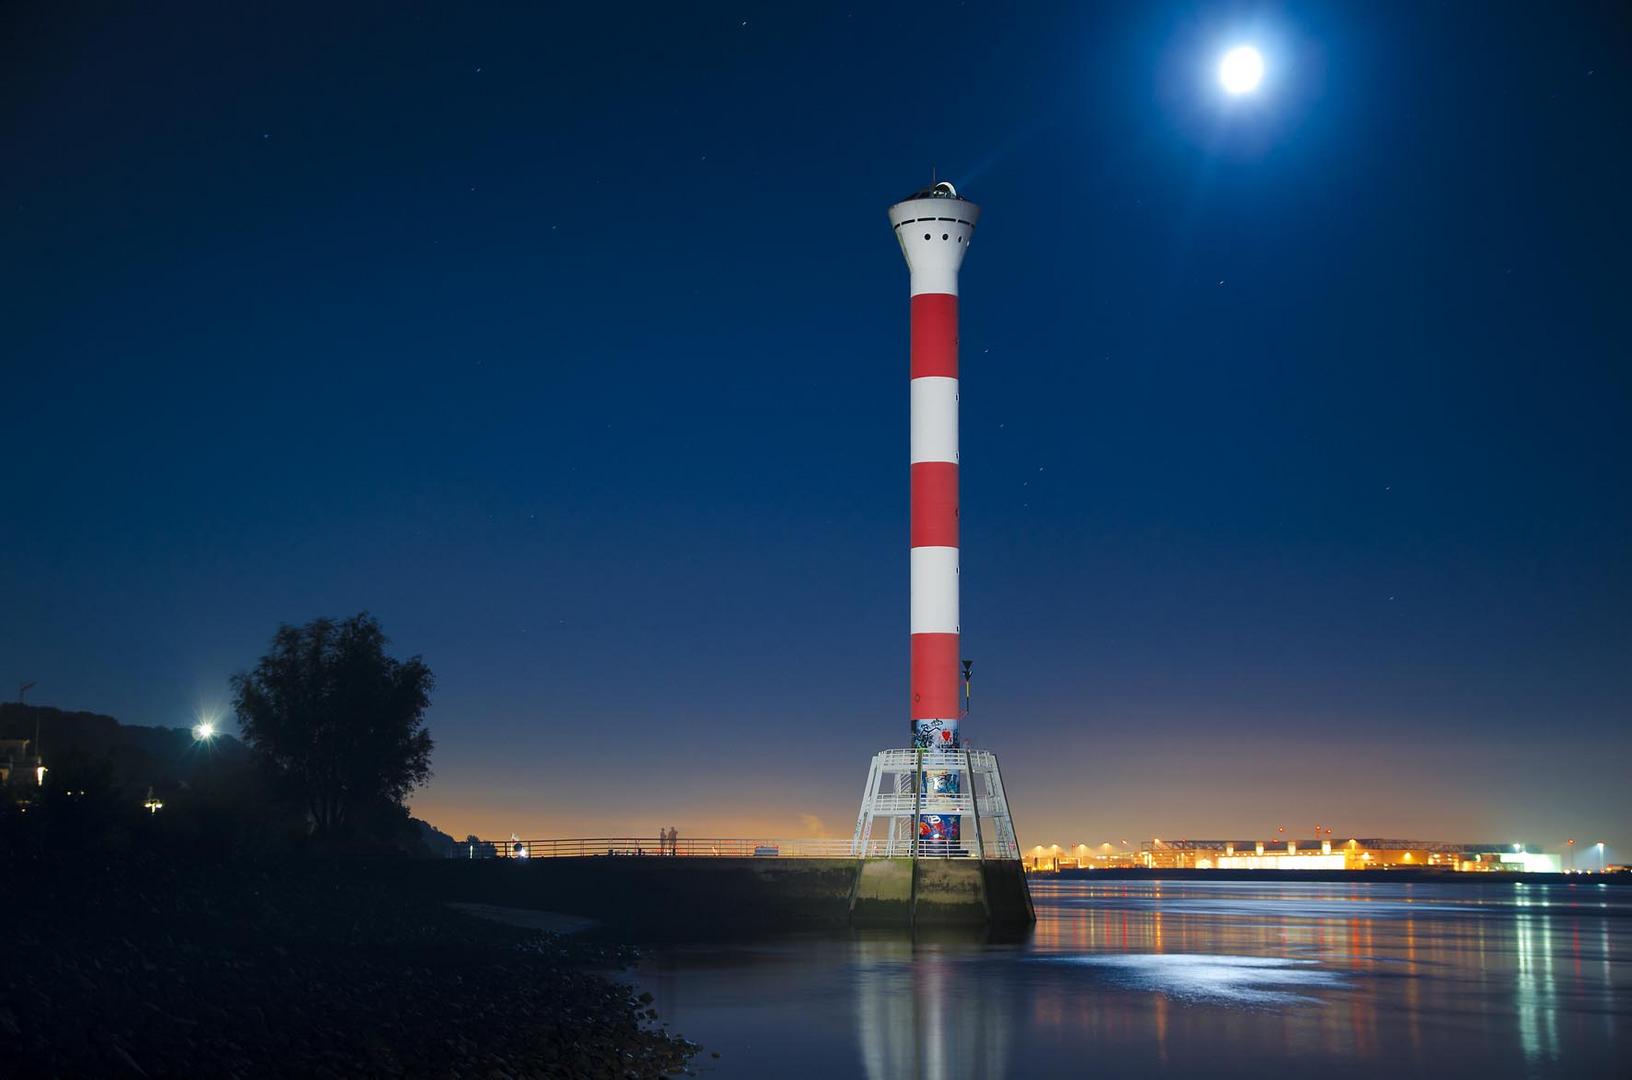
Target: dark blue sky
[{"x": 572, "y": 344}]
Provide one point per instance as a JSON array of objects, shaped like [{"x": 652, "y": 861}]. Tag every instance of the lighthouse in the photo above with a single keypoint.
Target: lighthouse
[
  {"x": 934, "y": 839},
  {"x": 934, "y": 228}
]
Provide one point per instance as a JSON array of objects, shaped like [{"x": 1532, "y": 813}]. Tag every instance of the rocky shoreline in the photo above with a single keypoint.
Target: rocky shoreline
[{"x": 157, "y": 967}]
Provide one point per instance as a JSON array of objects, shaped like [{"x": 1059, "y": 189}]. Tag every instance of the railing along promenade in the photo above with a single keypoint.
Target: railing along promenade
[{"x": 704, "y": 847}]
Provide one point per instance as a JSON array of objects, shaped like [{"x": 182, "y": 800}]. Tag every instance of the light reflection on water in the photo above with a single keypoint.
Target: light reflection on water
[
  {"x": 1185, "y": 978},
  {"x": 1230, "y": 980}
]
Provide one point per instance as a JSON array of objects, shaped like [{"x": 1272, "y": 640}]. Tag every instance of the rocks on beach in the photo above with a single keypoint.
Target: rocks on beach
[{"x": 120, "y": 966}]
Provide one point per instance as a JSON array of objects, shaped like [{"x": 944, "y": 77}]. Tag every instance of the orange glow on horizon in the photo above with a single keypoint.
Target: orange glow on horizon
[{"x": 460, "y": 820}]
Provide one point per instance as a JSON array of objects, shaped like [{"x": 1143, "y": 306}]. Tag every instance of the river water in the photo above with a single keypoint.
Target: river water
[{"x": 1192, "y": 978}]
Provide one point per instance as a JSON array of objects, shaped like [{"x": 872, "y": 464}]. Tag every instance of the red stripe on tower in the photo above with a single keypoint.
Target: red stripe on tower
[
  {"x": 934, "y": 228},
  {"x": 934, "y": 504},
  {"x": 934, "y": 335}
]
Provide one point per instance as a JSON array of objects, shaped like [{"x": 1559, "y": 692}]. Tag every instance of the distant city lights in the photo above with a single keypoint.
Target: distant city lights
[{"x": 1321, "y": 854}]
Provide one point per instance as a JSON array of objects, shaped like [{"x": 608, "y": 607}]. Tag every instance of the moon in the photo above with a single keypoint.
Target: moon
[{"x": 1241, "y": 70}]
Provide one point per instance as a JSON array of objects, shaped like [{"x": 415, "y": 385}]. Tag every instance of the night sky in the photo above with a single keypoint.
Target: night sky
[{"x": 1297, "y": 428}]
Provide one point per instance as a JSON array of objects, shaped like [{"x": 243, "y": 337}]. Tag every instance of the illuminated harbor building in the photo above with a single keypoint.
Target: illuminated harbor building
[{"x": 1322, "y": 854}]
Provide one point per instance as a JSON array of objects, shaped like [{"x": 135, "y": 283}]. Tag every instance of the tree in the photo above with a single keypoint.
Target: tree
[{"x": 344, "y": 723}]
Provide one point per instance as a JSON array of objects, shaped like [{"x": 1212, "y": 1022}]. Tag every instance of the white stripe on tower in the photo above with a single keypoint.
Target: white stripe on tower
[
  {"x": 935, "y": 417},
  {"x": 934, "y": 228}
]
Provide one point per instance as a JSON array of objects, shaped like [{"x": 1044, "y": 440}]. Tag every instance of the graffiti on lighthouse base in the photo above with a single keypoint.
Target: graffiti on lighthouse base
[
  {"x": 935, "y": 734},
  {"x": 938, "y": 827}
]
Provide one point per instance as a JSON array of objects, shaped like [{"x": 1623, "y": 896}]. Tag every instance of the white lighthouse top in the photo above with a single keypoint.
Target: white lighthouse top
[{"x": 934, "y": 227}]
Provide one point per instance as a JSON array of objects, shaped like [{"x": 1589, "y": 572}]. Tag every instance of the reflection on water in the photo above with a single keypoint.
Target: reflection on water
[
  {"x": 1188, "y": 978},
  {"x": 917, "y": 1014},
  {"x": 1538, "y": 1033},
  {"x": 1233, "y": 980}
]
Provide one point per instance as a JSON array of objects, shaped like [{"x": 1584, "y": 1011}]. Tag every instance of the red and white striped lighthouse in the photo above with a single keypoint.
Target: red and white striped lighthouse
[
  {"x": 950, "y": 786},
  {"x": 934, "y": 228}
]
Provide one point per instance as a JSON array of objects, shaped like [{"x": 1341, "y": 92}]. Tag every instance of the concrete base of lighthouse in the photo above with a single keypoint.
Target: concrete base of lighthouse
[{"x": 935, "y": 843}]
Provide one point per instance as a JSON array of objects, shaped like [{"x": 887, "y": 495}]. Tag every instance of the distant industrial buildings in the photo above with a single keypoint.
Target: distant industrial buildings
[{"x": 1322, "y": 854}]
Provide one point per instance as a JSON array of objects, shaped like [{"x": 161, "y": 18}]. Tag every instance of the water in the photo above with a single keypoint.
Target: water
[{"x": 1129, "y": 978}]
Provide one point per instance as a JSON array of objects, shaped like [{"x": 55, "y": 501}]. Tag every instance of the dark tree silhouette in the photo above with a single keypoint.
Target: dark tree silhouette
[{"x": 327, "y": 709}]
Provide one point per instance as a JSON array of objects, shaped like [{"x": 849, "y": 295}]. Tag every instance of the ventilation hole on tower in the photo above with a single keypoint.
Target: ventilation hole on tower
[
  {"x": 943, "y": 236},
  {"x": 926, "y": 236}
]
